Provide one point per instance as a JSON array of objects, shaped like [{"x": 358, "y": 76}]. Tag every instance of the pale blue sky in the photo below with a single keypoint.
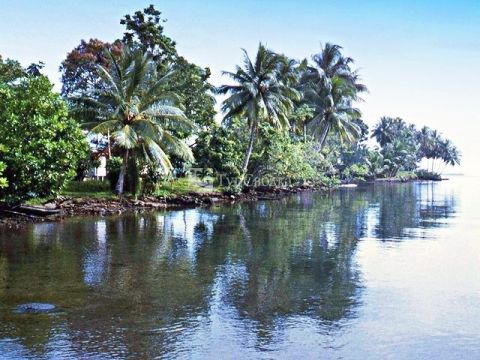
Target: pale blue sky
[{"x": 419, "y": 58}]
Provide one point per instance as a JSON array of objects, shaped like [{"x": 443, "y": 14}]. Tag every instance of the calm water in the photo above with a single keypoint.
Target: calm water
[{"x": 387, "y": 271}]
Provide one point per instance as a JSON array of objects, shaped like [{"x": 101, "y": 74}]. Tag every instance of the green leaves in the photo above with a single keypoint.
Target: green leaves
[
  {"x": 331, "y": 88},
  {"x": 43, "y": 144},
  {"x": 260, "y": 94}
]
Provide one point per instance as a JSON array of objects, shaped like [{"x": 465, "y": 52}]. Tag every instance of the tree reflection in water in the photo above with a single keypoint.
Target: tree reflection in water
[{"x": 169, "y": 283}]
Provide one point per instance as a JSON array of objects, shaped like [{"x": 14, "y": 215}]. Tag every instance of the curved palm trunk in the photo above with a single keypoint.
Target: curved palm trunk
[
  {"x": 248, "y": 153},
  {"x": 119, "y": 188}
]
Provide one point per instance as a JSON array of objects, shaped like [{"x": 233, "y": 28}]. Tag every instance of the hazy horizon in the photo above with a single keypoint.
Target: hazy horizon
[{"x": 419, "y": 59}]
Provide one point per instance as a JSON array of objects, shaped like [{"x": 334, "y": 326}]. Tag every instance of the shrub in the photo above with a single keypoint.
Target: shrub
[
  {"x": 428, "y": 175},
  {"x": 221, "y": 152},
  {"x": 44, "y": 144},
  {"x": 356, "y": 172},
  {"x": 84, "y": 165}
]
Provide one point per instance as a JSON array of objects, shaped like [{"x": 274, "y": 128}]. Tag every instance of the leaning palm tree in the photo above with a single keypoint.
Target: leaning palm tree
[
  {"x": 137, "y": 109},
  {"x": 259, "y": 95}
]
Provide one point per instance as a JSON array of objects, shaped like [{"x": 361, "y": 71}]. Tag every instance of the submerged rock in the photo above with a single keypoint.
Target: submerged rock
[{"x": 35, "y": 308}]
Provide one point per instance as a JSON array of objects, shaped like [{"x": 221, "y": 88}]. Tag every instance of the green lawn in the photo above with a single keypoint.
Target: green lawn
[{"x": 89, "y": 188}]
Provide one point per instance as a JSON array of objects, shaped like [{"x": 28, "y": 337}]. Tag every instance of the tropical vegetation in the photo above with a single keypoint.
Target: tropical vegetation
[
  {"x": 151, "y": 112},
  {"x": 40, "y": 144}
]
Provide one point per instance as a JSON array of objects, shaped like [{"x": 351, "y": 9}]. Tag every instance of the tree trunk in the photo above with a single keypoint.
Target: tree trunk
[
  {"x": 324, "y": 137},
  {"x": 248, "y": 153},
  {"x": 121, "y": 177},
  {"x": 109, "y": 148}
]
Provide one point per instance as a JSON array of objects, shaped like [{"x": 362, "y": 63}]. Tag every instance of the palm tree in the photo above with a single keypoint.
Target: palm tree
[
  {"x": 388, "y": 129},
  {"x": 450, "y": 154},
  {"x": 331, "y": 87},
  {"x": 137, "y": 109},
  {"x": 261, "y": 94},
  {"x": 333, "y": 111},
  {"x": 423, "y": 139},
  {"x": 330, "y": 63}
]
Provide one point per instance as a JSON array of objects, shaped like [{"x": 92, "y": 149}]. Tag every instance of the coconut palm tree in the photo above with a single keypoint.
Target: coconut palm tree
[
  {"x": 137, "y": 109},
  {"x": 423, "y": 139},
  {"x": 331, "y": 86},
  {"x": 260, "y": 94},
  {"x": 388, "y": 129},
  {"x": 330, "y": 63},
  {"x": 332, "y": 111},
  {"x": 450, "y": 154}
]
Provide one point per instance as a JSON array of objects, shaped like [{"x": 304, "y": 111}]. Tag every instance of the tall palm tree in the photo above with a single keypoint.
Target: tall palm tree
[
  {"x": 435, "y": 148},
  {"x": 260, "y": 94},
  {"x": 137, "y": 109},
  {"x": 331, "y": 86}
]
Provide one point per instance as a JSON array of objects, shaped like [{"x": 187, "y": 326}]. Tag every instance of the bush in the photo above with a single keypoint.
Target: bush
[
  {"x": 44, "y": 145},
  {"x": 406, "y": 176},
  {"x": 221, "y": 152},
  {"x": 3, "y": 180},
  {"x": 428, "y": 175},
  {"x": 356, "y": 172},
  {"x": 279, "y": 158}
]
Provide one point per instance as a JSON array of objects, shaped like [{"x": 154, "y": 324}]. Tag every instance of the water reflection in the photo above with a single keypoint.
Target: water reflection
[{"x": 187, "y": 283}]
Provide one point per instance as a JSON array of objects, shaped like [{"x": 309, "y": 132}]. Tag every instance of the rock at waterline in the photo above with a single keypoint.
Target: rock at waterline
[{"x": 35, "y": 308}]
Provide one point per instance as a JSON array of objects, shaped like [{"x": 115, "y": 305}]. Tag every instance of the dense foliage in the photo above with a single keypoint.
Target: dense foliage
[{"x": 40, "y": 144}]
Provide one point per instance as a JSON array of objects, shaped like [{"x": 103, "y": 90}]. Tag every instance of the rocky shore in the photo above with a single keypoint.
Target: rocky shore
[{"x": 65, "y": 207}]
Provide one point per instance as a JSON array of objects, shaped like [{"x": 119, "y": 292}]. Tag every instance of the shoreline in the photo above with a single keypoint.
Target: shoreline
[{"x": 90, "y": 206}]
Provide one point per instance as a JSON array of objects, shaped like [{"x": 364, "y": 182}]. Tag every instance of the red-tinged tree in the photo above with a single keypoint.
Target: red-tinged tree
[{"x": 79, "y": 69}]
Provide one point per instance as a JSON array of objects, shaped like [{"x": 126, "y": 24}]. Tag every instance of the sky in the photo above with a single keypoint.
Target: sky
[{"x": 419, "y": 58}]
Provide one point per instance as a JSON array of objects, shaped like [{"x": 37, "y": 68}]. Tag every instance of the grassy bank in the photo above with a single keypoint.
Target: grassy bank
[{"x": 97, "y": 189}]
